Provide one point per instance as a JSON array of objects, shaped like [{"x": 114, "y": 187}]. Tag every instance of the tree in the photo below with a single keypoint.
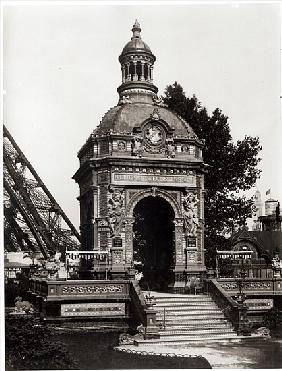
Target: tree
[{"x": 232, "y": 166}]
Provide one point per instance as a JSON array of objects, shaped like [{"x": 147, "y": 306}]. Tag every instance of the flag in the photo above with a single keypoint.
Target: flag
[{"x": 268, "y": 192}]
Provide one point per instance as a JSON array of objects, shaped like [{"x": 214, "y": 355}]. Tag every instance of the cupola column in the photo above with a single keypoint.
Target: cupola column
[
  {"x": 142, "y": 71},
  {"x": 128, "y": 75},
  {"x": 135, "y": 76},
  {"x": 123, "y": 74},
  {"x": 151, "y": 73},
  {"x": 148, "y": 71}
]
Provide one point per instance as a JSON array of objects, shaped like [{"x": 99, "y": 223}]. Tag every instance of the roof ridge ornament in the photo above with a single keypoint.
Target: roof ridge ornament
[
  {"x": 155, "y": 114},
  {"x": 136, "y": 29}
]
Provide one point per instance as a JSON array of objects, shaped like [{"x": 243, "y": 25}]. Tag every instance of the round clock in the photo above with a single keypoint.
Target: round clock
[{"x": 154, "y": 134}]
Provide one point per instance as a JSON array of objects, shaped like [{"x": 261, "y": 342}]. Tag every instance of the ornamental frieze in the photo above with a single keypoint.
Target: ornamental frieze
[
  {"x": 134, "y": 178},
  {"x": 92, "y": 289},
  {"x": 92, "y": 309},
  {"x": 229, "y": 286},
  {"x": 246, "y": 285},
  {"x": 257, "y": 285}
]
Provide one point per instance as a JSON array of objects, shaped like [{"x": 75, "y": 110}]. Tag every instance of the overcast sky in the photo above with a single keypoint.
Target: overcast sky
[{"x": 61, "y": 72}]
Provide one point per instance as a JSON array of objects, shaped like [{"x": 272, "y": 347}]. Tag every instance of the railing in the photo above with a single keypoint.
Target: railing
[
  {"x": 143, "y": 311},
  {"x": 233, "y": 311},
  {"x": 258, "y": 286}
]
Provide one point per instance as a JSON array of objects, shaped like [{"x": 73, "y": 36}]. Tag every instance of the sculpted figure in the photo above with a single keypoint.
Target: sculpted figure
[
  {"x": 137, "y": 146},
  {"x": 158, "y": 101},
  {"x": 125, "y": 99},
  {"x": 23, "y": 306},
  {"x": 116, "y": 205},
  {"x": 190, "y": 213},
  {"x": 170, "y": 148}
]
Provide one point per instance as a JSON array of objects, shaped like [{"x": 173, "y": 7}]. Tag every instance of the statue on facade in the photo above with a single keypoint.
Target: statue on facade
[
  {"x": 137, "y": 146},
  {"x": 159, "y": 101},
  {"x": 190, "y": 213},
  {"x": 116, "y": 208},
  {"x": 125, "y": 99},
  {"x": 170, "y": 148}
]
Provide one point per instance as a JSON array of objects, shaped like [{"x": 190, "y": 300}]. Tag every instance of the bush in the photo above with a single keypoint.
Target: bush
[
  {"x": 28, "y": 346},
  {"x": 273, "y": 321}
]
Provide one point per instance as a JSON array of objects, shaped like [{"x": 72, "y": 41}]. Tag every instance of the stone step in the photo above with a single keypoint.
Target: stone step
[
  {"x": 205, "y": 321},
  {"x": 159, "y": 295},
  {"x": 190, "y": 339},
  {"x": 188, "y": 320},
  {"x": 185, "y": 311},
  {"x": 198, "y": 332},
  {"x": 171, "y": 326},
  {"x": 184, "y": 298},
  {"x": 184, "y": 302},
  {"x": 185, "y": 306}
]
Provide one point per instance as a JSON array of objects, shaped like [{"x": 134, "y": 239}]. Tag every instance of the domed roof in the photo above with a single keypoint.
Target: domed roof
[
  {"x": 136, "y": 43},
  {"x": 124, "y": 118}
]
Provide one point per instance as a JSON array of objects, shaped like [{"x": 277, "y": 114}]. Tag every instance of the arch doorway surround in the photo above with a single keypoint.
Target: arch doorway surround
[{"x": 154, "y": 242}]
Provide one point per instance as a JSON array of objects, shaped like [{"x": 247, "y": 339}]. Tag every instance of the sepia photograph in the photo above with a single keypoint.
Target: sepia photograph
[{"x": 142, "y": 184}]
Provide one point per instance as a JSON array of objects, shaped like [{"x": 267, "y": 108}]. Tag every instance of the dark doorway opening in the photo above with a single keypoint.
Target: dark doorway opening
[{"x": 153, "y": 242}]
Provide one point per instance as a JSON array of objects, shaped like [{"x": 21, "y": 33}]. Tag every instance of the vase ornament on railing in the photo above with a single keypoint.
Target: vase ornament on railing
[
  {"x": 150, "y": 300},
  {"x": 190, "y": 211},
  {"x": 52, "y": 266}
]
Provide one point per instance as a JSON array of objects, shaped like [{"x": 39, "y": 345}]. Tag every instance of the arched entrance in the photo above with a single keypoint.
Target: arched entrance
[{"x": 153, "y": 243}]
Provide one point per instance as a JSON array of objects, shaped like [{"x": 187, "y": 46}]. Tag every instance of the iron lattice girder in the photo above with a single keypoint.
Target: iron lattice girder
[{"x": 30, "y": 197}]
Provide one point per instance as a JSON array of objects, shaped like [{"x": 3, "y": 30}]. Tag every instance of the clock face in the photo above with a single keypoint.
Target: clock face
[{"x": 154, "y": 134}]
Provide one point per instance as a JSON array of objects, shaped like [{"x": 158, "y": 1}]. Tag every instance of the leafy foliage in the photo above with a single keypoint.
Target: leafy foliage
[
  {"x": 232, "y": 166},
  {"x": 29, "y": 347},
  {"x": 273, "y": 320}
]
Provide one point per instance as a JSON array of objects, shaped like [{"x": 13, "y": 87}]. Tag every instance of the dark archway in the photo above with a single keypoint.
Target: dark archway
[{"x": 153, "y": 244}]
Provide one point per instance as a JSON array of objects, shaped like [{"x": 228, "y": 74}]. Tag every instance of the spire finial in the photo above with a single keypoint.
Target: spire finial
[{"x": 136, "y": 29}]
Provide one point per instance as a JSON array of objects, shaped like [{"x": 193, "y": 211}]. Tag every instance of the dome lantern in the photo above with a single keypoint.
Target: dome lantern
[{"x": 137, "y": 63}]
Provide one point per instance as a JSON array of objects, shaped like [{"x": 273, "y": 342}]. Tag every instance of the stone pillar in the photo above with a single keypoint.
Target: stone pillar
[
  {"x": 179, "y": 269},
  {"x": 117, "y": 260},
  {"x": 148, "y": 71},
  {"x": 128, "y": 78},
  {"x": 135, "y": 76},
  {"x": 142, "y": 78},
  {"x": 129, "y": 242},
  {"x": 95, "y": 216},
  {"x": 179, "y": 256},
  {"x": 151, "y": 73},
  {"x": 123, "y": 74}
]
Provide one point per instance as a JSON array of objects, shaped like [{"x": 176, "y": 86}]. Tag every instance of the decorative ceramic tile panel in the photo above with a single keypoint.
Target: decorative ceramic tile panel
[{"x": 92, "y": 309}]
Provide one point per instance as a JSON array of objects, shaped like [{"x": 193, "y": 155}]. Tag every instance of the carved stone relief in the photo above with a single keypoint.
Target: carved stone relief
[
  {"x": 170, "y": 148},
  {"x": 158, "y": 101},
  {"x": 121, "y": 146},
  {"x": 190, "y": 212},
  {"x": 116, "y": 208},
  {"x": 137, "y": 146},
  {"x": 191, "y": 256}
]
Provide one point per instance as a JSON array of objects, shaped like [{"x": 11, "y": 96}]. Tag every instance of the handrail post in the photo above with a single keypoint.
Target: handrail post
[{"x": 164, "y": 319}]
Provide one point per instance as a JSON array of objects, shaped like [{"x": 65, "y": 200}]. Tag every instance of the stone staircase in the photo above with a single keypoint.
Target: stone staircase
[{"x": 189, "y": 318}]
